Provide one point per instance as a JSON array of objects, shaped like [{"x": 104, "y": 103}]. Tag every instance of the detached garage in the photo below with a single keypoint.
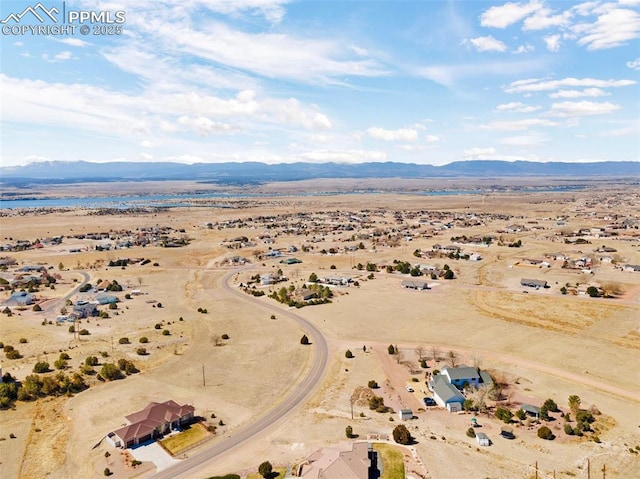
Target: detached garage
[{"x": 483, "y": 439}]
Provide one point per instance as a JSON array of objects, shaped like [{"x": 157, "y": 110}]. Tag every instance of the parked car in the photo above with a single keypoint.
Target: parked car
[
  {"x": 428, "y": 401},
  {"x": 409, "y": 389}
]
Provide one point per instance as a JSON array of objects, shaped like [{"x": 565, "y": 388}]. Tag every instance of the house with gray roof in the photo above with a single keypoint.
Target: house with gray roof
[
  {"x": 446, "y": 395},
  {"x": 462, "y": 375}
]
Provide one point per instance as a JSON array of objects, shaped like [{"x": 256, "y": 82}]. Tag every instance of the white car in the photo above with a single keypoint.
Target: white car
[{"x": 409, "y": 389}]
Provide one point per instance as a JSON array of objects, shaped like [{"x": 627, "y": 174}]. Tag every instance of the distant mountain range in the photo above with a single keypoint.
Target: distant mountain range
[{"x": 253, "y": 172}]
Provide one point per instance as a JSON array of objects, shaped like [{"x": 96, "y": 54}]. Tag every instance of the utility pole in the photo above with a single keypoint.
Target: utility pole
[
  {"x": 536, "y": 469},
  {"x": 604, "y": 472},
  {"x": 351, "y": 401},
  {"x": 588, "y": 469},
  {"x": 204, "y": 384}
]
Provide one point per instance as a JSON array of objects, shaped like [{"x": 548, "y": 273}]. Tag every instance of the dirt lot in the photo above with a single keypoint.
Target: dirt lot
[{"x": 543, "y": 343}]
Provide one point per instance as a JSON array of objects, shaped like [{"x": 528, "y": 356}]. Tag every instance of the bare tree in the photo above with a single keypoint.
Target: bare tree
[
  {"x": 139, "y": 280},
  {"x": 476, "y": 362},
  {"x": 217, "y": 340},
  {"x": 435, "y": 354},
  {"x": 420, "y": 353},
  {"x": 453, "y": 358},
  {"x": 399, "y": 355}
]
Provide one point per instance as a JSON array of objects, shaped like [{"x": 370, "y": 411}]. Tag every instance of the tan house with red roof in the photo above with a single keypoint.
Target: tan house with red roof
[{"x": 151, "y": 422}]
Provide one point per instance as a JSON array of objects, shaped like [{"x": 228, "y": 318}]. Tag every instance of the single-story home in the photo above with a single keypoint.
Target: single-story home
[
  {"x": 337, "y": 280},
  {"x": 405, "y": 414},
  {"x": 304, "y": 294},
  {"x": 483, "y": 439},
  {"x": 106, "y": 298},
  {"x": 291, "y": 261},
  {"x": 533, "y": 283},
  {"x": 632, "y": 267},
  {"x": 21, "y": 298},
  {"x": 413, "y": 284},
  {"x": 447, "y": 395},
  {"x": 347, "y": 461},
  {"x": 151, "y": 422}
]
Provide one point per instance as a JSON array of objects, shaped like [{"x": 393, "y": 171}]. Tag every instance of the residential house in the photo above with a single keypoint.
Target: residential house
[
  {"x": 21, "y": 298},
  {"x": 632, "y": 267},
  {"x": 150, "y": 423},
  {"x": 337, "y": 280},
  {"x": 445, "y": 394},
  {"x": 83, "y": 309},
  {"x": 413, "y": 284},
  {"x": 531, "y": 410},
  {"x": 462, "y": 375},
  {"x": 106, "y": 298},
  {"x": 533, "y": 283},
  {"x": 347, "y": 461}
]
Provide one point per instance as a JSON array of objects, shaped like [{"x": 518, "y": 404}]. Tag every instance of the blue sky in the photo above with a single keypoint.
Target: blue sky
[{"x": 427, "y": 82}]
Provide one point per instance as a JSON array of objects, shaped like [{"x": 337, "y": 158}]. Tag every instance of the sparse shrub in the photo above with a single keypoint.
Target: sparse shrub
[
  {"x": 157, "y": 326},
  {"x": 141, "y": 351},
  {"x": 84, "y": 332},
  {"x": 373, "y": 384},
  {"x": 91, "y": 361},
  {"x": 348, "y": 432},
  {"x": 60, "y": 364},
  {"x": 348, "y": 354},
  {"x": 304, "y": 339},
  {"x": 13, "y": 354},
  {"x": 225, "y": 336},
  {"x": 23, "y": 340},
  {"x": 166, "y": 332},
  {"x": 568, "y": 430},
  {"x": 144, "y": 340},
  {"x": 471, "y": 432},
  {"x": 64, "y": 356},
  {"x": 265, "y": 469},
  {"x": 123, "y": 341}
]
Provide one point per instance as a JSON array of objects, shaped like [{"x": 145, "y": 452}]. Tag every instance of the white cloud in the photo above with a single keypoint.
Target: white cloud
[
  {"x": 634, "y": 64},
  {"x": 58, "y": 57},
  {"x": 205, "y": 126},
  {"x": 145, "y": 157},
  {"x": 587, "y": 92},
  {"x": 528, "y": 141},
  {"x": 403, "y": 134},
  {"x": 361, "y": 52},
  {"x": 542, "y": 19},
  {"x": 518, "y": 125},
  {"x": 523, "y": 49},
  {"x": 537, "y": 85},
  {"x": 582, "y": 108},
  {"x": 553, "y": 42},
  {"x": 508, "y": 14},
  {"x": 74, "y": 42},
  {"x": 585, "y": 8},
  {"x": 448, "y": 75},
  {"x": 479, "y": 153},
  {"x": 432, "y": 138},
  {"x": 18, "y": 44},
  {"x": 486, "y": 44},
  {"x": 517, "y": 107},
  {"x": 613, "y": 28}
]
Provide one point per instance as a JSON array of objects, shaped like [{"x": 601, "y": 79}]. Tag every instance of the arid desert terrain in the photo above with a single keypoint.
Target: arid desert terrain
[{"x": 539, "y": 289}]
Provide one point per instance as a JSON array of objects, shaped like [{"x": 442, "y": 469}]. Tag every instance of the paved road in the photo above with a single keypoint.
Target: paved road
[
  {"x": 298, "y": 395},
  {"x": 55, "y": 306}
]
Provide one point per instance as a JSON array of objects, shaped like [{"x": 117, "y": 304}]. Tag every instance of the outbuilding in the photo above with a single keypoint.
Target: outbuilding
[
  {"x": 483, "y": 439},
  {"x": 405, "y": 414}
]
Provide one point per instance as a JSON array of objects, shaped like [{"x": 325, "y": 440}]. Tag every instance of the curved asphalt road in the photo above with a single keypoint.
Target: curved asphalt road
[{"x": 299, "y": 394}]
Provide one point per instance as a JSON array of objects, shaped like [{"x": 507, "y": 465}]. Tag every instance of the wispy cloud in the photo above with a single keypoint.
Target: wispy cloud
[
  {"x": 402, "y": 134},
  {"x": 486, "y": 44},
  {"x": 537, "y": 85},
  {"x": 582, "y": 108}
]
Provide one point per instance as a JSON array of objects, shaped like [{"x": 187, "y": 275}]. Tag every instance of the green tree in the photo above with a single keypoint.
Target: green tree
[
  {"x": 391, "y": 349},
  {"x": 373, "y": 384},
  {"x": 348, "y": 354},
  {"x": 593, "y": 292},
  {"x": 91, "y": 361},
  {"x": 313, "y": 278},
  {"x": 520, "y": 414},
  {"x": 265, "y": 469},
  {"x": 504, "y": 414},
  {"x": 551, "y": 405},
  {"x": 110, "y": 372},
  {"x": 60, "y": 364},
  {"x": 41, "y": 367},
  {"x": 304, "y": 339},
  {"x": 402, "y": 435},
  {"x": 449, "y": 274},
  {"x": 545, "y": 433},
  {"x": 349, "y": 432}
]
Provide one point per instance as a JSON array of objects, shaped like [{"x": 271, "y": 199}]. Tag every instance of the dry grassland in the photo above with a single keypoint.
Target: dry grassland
[{"x": 543, "y": 344}]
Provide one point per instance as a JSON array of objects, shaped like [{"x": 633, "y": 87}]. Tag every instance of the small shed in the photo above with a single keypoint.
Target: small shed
[
  {"x": 483, "y": 439},
  {"x": 405, "y": 414},
  {"x": 531, "y": 410},
  {"x": 507, "y": 432}
]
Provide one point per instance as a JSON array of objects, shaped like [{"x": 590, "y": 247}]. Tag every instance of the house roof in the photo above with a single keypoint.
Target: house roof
[
  {"x": 461, "y": 373},
  {"x": 530, "y": 409},
  {"x": 445, "y": 391},
  {"x": 348, "y": 461},
  {"x": 161, "y": 413}
]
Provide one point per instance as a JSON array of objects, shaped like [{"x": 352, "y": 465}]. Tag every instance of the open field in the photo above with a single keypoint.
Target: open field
[{"x": 541, "y": 344}]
